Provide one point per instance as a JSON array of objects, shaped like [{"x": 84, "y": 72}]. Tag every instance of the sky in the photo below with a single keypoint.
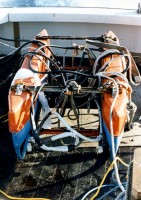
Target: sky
[{"x": 125, "y": 4}]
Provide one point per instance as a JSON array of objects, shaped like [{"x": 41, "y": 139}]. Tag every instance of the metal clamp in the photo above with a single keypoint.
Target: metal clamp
[
  {"x": 19, "y": 89},
  {"x": 139, "y": 8},
  {"x": 72, "y": 87}
]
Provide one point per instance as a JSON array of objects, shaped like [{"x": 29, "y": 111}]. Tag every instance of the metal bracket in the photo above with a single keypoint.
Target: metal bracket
[
  {"x": 19, "y": 89},
  {"x": 73, "y": 86},
  {"x": 139, "y": 8}
]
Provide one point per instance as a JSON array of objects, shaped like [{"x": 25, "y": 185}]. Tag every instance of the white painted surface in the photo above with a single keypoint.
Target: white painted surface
[
  {"x": 129, "y": 36},
  {"x": 3, "y": 15},
  {"x": 59, "y": 14},
  {"x": 125, "y": 23},
  {"x": 89, "y": 15}
]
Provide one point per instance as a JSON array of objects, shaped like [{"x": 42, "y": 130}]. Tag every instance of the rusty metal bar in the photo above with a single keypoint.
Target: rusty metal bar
[
  {"x": 57, "y": 89},
  {"x": 39, "y": 37},
  {"x": 86, "y": 132}
]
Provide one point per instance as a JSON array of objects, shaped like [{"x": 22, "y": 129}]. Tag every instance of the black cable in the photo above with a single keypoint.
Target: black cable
[
  {"x": 85, "y": 79},
  {"x": 81, "y": 95},
  {"x": 91, "y": 54},
  {"x": 108, "y": 54},
  {"x": 38, "y": 91},
  {"x": 8, "y": 57},
  {"x": 48, "y": 114},
  {"x": 48, "y": 47},
  {"x": 90, "y": 99},
  {"x": 127, "y": 65},
  {"x": 14, "y": 70},
  {"x": 13, "y": 40},
  {"x": 61, "y": 71},
  {"x": 69, "y": 116},
  {"x": 45, "y": 56},
  {"x": 35, "y": 132},
  {"x": 43, "y": 121},
  {"x": 65, "y": 72}
]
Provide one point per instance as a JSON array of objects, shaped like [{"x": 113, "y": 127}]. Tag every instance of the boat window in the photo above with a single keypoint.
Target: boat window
[{"x": 124, "y": 4}]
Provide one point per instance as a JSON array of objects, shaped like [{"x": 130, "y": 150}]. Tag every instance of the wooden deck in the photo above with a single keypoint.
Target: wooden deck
[{"x": 58, "y": 176}]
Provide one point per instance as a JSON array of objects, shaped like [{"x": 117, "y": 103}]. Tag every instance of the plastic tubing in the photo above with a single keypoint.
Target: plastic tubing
[
  {"x": 108, "y": 62},
  {"x": 62, "y": 135},
  {"x": 41, "y": 61},
  {"x": 121, "y": 196},
  {"x": 100, "y": 116},
  {"x": 39, "y": 50},
  {"x": 113, "y": 73},
  {"x": 111, "y": 127},
  {"x": 72, "y": 132},
  {"x": 58, "y": 148},
  {"x": 92, "y": 190},
  {"x": 43, "y": 146},
  {"x": 109, "y": 192},
  {"x": 130, "y": 69},
  {"x": 11, "y": 54},
  {"x": 105, "y": 53},
  {"x": 109, "y": 169},
  {"x": 103, "y": 74}
]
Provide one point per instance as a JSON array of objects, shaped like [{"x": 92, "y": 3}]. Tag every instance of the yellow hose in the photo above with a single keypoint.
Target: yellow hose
[
  {"x": 18, "y": 198},
  {"x": 3, "y": 116}
]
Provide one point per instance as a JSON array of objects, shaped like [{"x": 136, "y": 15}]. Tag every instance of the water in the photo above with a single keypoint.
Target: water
[{"x": 126, "y": 4}]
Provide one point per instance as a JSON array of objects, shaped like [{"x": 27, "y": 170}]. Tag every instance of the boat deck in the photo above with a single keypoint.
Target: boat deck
[
  {"x": 58, "y": 176},
  {"x": 62, "y": 176}
]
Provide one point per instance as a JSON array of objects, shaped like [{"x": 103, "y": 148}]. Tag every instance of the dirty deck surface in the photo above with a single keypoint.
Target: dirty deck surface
[
  {"x": 62, "y": 176},
  {"x": 58, "y": 176}
]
